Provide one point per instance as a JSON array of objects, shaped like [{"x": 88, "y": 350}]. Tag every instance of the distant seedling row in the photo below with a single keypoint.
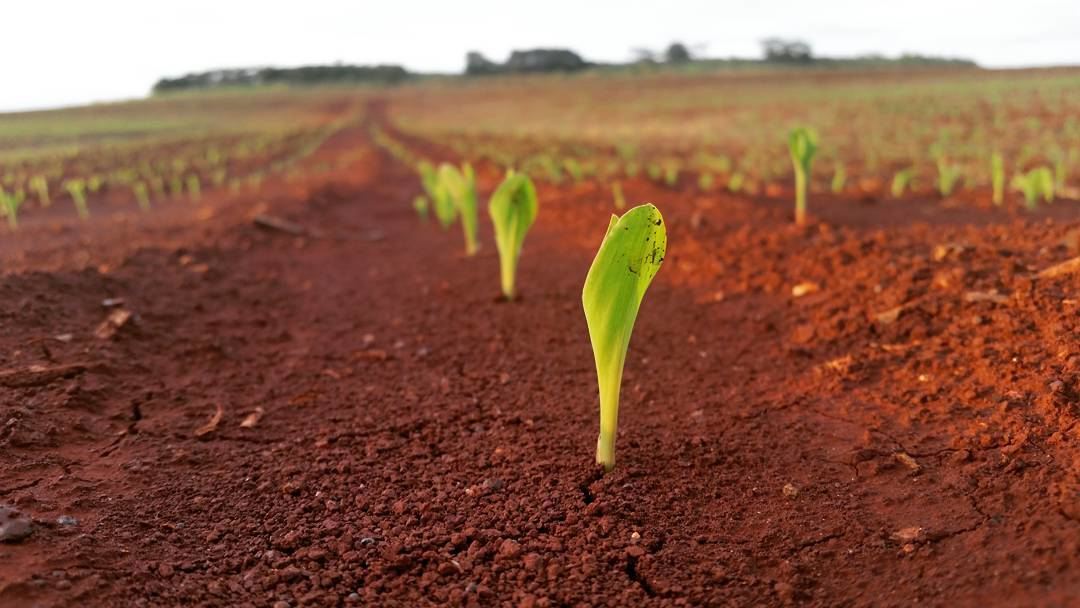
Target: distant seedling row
[
  {"x": 988, "y": 138},
  {"x": 162, "y": 168}
]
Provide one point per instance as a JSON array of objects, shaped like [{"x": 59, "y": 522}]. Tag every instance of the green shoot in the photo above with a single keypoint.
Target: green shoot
[
  {"x": 461, "y": 188},
  {"x": 40, "y": 186},
  {"x": 1038, "y": 182},
  {"x": 997, "y": 178},
  {"x": 176, "y": 187},
  {"x": 736, "y": 182},
  {"x": 839, "y": 179},
  {"x": 802, "y": 144},
  {"x": 445, "y": 210},
  {"x": 513, "y": 210},
  {"x": 948, "y": 174},
  {"x": 10, "y": 204},
  {"x": 654, "y": 171},
  {"x": 1061, "y": 171},
  {"x": 194, "y": 187},
  {"x": 429, "y": 178},
  {"x": 573, "y": 167},
  {"x": 142, "y": 195},
  {"x": 617, "y": 194},
  {"x": 629, "y": 257},
  {"x": 671, "y": 174},
  {"x": 901, "y": 181},
  {"x": 77, "y": 189},
  {"x": 421, "y": 206},
  {"x": 706, "y": 181}
]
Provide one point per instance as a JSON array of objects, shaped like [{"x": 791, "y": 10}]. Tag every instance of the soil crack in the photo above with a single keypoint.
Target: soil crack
[{"x": 635, "y": 576}]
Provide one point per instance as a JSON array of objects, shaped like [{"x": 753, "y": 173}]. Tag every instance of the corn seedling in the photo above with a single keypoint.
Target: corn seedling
[
  {"x": 194, "y": 187},
  {"x": 94, "y": 184},
  {"x": 40, "y": 186},
  {"x": 671, "y": 174},
  {"x": 513, "y": 209},
  {"x": 629, "y": 257},
  {"x": 839, "y": 179},
  {"x": 10, "y": 202},
  {"x": 706, "y": 181},
  {"x": 574, "y": 169},
  {"x": 802, "y": 144},
  {"x": 1060, "y": 169},
  {"x": 176, "y": 187},
  {"x": 429, "y": 178},
  {"x": 421, "y": 206},
  {"x": 1036, "y": 183},
  {"x": 142, "y": 195},
  {"x": 460, "y": 188},
  {"x": 735, "y": 182},
  {"x": 901, "y": 181},
  {"x": 617, "y": 194},
  {"x": 77, "y": 189},
  {"x": 997, "y": 178},
  {"x": 654, "y": 171},
  {"x": 948, "y": 174}
]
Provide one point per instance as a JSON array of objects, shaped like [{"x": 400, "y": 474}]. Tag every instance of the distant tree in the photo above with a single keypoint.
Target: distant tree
[
  {"x": 677, "y": 53},
  {"x": 545, "y": 60},
  {"x": 306, "y": 75},
  {"x": 782, "y": 50},
  {"x": 477, "y": 64}
]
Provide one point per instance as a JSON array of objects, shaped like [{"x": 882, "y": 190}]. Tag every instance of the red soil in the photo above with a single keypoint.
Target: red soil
[{"x": 422, "y": 444}]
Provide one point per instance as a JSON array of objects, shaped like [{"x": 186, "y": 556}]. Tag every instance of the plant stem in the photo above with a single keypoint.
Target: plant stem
[
  {"x": 800, "y": 196},
  {"x": 609, "y": 416},
  {"x": 507, "y": 268}
]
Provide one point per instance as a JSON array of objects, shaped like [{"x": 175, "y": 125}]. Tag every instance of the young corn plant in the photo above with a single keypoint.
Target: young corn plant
[
  {"x": 142, "y": 195},
  {"x": 1036, "y": 183},
  {"x": 574, "y": 169},
  {"x": 629, "y": 257},
  {"x": 901, "y": 181},
  {"x": 997, "y": 178},
  {"x": 77, "y": 189},
  {"x": 40, "y": 186},
  {"x": 429, "y": 178},
  {"x": 420, "y": 205},
  {"x": 948, "y": 174},
  {"x": 194, "y": 187},
  {"x": 10, "y": 203},
  {"x": 617, "y": 195},
  {"x": 802, "y": 144},
  {"x": 513, "y": 209},
  {"x": 460, "y": 186},
  {"x": 736, "y": 182},
  {"x": 839, "y": 179}
]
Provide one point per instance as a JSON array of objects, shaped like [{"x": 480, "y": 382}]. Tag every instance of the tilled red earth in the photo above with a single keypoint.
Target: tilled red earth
[{"x": 390, "y": 434}]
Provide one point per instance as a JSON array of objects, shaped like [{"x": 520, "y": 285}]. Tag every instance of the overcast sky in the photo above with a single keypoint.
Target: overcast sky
[{"x": 63, "y": 52}]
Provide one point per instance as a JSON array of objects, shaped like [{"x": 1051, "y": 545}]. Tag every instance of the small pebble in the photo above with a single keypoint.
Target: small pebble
[{"x": 67, "y": 520}]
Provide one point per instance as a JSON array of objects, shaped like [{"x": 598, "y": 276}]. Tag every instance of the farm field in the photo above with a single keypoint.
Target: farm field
[{"x": 271, "y": 383}]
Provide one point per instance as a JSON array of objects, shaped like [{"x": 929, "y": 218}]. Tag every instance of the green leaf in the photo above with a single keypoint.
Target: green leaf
[
  {"x": 513, "y": 209},
  {"x": 630, "y": 256},
  {"x": 420, "y": 205},
  {"x": 461, "y": 189}
]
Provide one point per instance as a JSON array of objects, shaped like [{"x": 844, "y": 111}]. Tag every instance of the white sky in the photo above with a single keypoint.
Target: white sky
[{"x": 63, "y": 52}]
